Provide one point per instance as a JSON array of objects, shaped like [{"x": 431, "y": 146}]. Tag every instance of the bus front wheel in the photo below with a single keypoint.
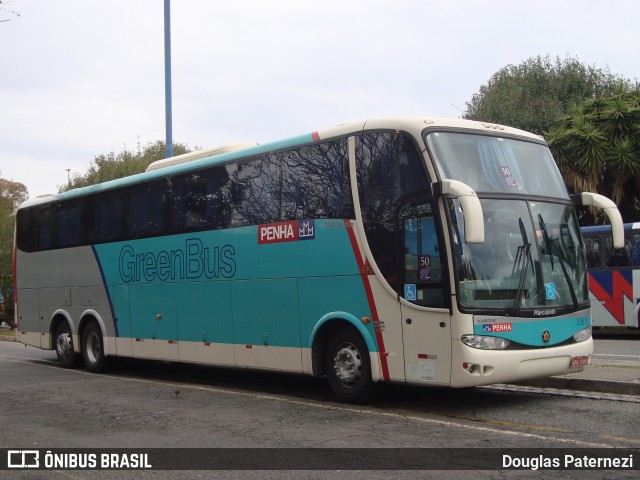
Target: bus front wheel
[
  {"x": 93, "y": 348},
  {"x": 348, "y": 367}
]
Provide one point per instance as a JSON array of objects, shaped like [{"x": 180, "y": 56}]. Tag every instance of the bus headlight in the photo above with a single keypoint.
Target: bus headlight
[
  {"x": 485, "y": 343},
  {"x": 583, "y": 335}
]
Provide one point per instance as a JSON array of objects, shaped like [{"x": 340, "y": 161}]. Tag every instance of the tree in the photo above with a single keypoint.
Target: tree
[
  {"x": 111, "y": 166},
  {"x": 12, "y": 194},
  {"x": 533, "y": 95},
  {"x": 597, "y": 148}
]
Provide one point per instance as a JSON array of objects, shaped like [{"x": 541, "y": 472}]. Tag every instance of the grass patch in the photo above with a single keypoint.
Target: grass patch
[{"x": 7, "y": 333}]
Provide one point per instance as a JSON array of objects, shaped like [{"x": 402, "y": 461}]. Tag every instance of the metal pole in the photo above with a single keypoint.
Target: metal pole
[{"x": 168, "y": 149}]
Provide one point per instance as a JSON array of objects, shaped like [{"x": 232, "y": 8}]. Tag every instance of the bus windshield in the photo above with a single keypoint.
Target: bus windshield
[{"x": 533, "y": 256}]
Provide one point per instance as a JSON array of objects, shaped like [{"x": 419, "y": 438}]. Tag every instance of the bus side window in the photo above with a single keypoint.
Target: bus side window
[
  {"x": 69, "y": 224},
  {"x": 315, "y": 182},
  {"x": 618, "y": 257},
  {"x": 635, "y": 257},
  {"x": 193, "y": 201},
  {"x": 594, "y": 252},
  {"x": 390, "y": 167},
  {"x": 45, "y": 227},
  {"x": 257, "y": 191},
  {"x": 146, "y": 209}
]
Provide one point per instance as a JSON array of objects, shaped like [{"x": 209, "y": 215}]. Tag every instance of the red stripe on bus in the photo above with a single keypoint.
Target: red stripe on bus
[
  {"x": 370, "y": 299},
  {"x": 15, "y": 278},
  {"x": 614, "y": 304}
]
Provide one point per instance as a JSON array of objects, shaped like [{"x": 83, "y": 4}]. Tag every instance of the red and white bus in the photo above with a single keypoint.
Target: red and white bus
[{"x": 614, "y": 276}]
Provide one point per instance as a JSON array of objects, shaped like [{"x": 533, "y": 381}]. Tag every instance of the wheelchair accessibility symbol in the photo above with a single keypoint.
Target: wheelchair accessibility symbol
[
  {"x": 410, "y": 292},
  {"x": 550, "y": 289}
]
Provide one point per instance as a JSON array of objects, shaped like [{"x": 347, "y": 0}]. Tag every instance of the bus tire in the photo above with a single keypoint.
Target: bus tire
[
  {"x": 93, "y": 349},
  {"x": 348, "y": 367},
  {"x": 63, "y": 343}
]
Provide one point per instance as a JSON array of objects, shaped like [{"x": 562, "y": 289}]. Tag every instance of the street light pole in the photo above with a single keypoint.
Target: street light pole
[{"x": 168, "y": 149}]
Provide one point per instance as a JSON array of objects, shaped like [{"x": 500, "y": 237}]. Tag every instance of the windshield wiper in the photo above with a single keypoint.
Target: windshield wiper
[
  {"x": 522, "y": 255},
  {"x": 551, "y": 249},
  {"x": 547, "y": 241}
]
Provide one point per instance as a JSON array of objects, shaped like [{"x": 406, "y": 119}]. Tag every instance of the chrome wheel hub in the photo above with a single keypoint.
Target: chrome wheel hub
[
  {"x": 347, "y": 364},
  {"x": 64, "y": 345}
]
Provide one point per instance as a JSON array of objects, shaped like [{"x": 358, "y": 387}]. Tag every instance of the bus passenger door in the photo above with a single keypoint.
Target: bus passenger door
[{"x": 424, "y": 296}]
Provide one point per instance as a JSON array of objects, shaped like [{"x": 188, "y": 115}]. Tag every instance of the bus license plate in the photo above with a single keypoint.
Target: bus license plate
[{"x": 579, "y": 361}]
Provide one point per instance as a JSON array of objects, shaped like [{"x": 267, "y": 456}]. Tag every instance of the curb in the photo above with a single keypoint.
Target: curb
[{"x": 7, "y": 338}]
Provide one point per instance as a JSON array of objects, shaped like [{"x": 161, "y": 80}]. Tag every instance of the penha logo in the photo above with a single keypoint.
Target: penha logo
[
  {"x": 497, "y": 327},
  {"x": 290, "y": 231}
]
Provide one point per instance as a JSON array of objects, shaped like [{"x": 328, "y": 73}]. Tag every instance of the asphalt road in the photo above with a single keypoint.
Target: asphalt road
[{"x": 164, "y": 405}]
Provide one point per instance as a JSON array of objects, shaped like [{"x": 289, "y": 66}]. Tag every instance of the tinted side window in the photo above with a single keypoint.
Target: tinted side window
[
  {"x": 103, "y": 217},
  {"x": 306, "y": 182},
  {"x": 194, "y": 201},
  {"x": 316, "y": 182},
  {"x": 44, "y": 219},
  {"x": 228, "y": 194},
  {"x": 69, "y": 231},
  {"x": 390, "y": 169},
  {"x": 593, "y": 247},
  {"x": 146, "y": 209},
  {"x": 635, "y": 249},
  {"x": 26, "y": 237},
  {"x": 258, "y": 191},
  {"x": 627, "y": 256}
]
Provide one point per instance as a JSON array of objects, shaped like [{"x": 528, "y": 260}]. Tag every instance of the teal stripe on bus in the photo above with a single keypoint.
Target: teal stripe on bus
[
  {"x": 534, "y": 333},
  {"x": 223, "y": 287}
]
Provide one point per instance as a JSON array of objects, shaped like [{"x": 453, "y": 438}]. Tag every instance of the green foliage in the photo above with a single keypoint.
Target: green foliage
[
  {"x": 533, "y": 95},
  {"x": 589, "y": 117},
  {"x": 597, "y": 149},
  {"x": 111, "y": 166},
  {"x": 12, "y": 194}
]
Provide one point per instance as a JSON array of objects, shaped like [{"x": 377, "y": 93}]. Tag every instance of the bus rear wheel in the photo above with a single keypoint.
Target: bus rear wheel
[
  {"x": 65, "y": 350},
  {"x": 348, "y": 367},
  {"x": 93, "y": 348}
]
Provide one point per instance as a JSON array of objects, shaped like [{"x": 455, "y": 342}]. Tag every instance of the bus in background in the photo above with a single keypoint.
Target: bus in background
[
  {"x": 614, "y": 276},
  {"x": 427, "y": 251}
]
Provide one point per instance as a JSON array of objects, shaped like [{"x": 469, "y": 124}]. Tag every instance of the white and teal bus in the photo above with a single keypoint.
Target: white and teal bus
[{"x": 426, "y": 251}]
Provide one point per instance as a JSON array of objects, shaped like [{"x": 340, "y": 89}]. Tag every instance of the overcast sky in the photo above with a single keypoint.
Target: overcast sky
[{"x": 80, "y": 78}]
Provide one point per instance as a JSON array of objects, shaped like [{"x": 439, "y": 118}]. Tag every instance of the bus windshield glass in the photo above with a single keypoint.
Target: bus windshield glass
[
  {"x": 533, "y": 255},
  {"x": 496, "y": 164}
]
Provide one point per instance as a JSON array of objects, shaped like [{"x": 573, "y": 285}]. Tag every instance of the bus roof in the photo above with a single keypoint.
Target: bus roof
[{"x": 194, "y": 161}]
